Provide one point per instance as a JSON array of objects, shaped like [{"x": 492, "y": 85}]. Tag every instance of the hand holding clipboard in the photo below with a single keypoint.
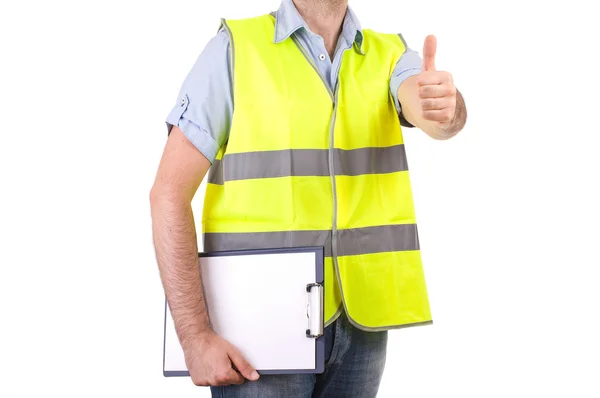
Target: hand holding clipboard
[{"x": 265, "y": 306}]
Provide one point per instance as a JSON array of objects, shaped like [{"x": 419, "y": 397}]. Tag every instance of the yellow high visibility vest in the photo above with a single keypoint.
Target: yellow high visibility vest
[{"x": 305, "y": 166}]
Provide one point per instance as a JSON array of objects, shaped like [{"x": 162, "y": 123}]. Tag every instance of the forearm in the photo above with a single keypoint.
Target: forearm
[
  {"x": 176, "y": 248},
  {"x": 412, "y": 109}
]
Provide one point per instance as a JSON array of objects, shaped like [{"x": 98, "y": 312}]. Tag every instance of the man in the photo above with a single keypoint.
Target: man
[{"x": 299, "y": 114}]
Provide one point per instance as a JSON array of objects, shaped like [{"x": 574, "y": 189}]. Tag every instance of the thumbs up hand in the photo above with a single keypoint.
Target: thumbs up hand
[{"x": 436, "y": 89}]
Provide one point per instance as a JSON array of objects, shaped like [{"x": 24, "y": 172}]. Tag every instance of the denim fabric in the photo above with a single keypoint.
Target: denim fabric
[{"x": 355, "y": 360}]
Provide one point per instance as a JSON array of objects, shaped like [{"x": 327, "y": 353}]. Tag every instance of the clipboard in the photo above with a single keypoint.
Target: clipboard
[{"x": 266, "y": 302}]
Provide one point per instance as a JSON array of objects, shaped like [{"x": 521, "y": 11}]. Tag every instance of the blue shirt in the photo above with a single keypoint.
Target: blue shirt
[{"x": 204, "y": 108}]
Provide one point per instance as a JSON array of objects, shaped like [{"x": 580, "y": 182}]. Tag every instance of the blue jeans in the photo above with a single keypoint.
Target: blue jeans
[{"x": 354, "y": 363}]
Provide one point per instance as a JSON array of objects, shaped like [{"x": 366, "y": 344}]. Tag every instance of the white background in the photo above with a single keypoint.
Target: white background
[{"x": 508, "y": 210}]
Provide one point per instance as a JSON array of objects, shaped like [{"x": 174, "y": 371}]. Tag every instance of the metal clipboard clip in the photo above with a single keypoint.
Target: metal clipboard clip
[{"x": 313, "y": 313}]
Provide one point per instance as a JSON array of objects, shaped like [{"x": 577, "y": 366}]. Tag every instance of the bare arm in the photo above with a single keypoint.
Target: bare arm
[
  {"x": 210, "y": 359},
  {"x": 181, "y": 171},
  {"x": 430, "y": 101}
]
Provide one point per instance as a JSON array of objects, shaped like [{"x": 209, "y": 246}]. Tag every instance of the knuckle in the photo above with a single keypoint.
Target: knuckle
[
  {"x": 429, "y": 104},
  {"x": 238, "y": 380},
  {"x": 198, "y": 377},
  {"x": 218, "y": 382},
  {"x": 214, "y": 382},
  {"x": 222, "y": 376},
  {"x": 199, "y": 382}
]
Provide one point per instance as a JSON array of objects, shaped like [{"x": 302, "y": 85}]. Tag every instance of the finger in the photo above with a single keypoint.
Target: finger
[
  {"x": 435, "y": 103},
  {"x": 437, "y": 91},
  {"x": 438, "y": 115},
  {"x": 234, "y": 377},
  {"x": 429, "y": 49},
  {"x": 225, "y": 378},
  {"x": 242, "y": 365},
  {"x": 431, "y": 78}
]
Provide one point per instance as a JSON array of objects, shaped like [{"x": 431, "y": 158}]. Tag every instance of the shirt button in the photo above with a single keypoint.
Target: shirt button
[
  {"x": 182, "y": 101},
  {"x": 322, "y": 57}
]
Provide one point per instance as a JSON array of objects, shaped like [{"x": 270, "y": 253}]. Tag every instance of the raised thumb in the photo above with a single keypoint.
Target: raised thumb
[{"x": 429, "y": 49}]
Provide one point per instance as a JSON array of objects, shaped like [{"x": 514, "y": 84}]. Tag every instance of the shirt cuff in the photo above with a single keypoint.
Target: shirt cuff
[
  {"x": 199, "y": 137},
  {"x": 395, "y": 83}
]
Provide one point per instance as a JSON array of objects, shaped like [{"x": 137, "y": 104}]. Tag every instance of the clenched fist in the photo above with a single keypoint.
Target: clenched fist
[
  {"x": 436, "y": 89},
  {"x": 213, "y": 361}
]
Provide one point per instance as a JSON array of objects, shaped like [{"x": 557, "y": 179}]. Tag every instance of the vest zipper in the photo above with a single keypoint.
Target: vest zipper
[
  {"x": 333, "y": 96},
  {"x": 334, "y": 231},
  {"x": 333, "y": 185},
  {"x": 330, "y": 157}
]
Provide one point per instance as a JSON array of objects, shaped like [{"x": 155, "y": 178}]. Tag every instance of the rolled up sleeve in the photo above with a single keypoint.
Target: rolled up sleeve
[
  {"x": 408, "y": 65},
  {"x": 204, "y": 106}
]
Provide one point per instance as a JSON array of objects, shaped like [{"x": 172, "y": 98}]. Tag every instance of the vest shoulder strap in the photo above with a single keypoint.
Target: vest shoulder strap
[
  {"x": 263, "y": 25},
  {"x": 381, "y": 41}
]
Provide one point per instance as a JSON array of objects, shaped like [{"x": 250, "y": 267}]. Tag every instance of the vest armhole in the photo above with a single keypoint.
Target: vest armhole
[
  {"x": 403, "y": 42},
  {"x": 225, "y": 26}
]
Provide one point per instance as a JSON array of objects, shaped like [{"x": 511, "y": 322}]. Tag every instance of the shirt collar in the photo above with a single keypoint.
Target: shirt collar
[{"x": 288, "y": 20}]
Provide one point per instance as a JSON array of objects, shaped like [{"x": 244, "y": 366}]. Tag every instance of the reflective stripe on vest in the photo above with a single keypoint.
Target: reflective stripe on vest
[
  {"x": 308, "y": 162},
  {"x": 304, "y": 166}
]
